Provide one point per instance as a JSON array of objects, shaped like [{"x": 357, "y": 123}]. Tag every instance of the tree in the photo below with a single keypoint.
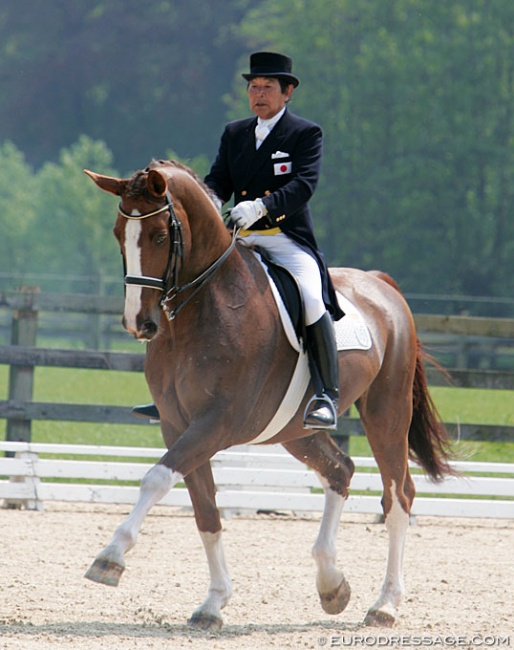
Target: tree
[
  {"x": 73, "y": 232},
  {"x": 415, "y": 98},
  {"x": 141, "y": 77},
  {"x": 18, "y": 206}
]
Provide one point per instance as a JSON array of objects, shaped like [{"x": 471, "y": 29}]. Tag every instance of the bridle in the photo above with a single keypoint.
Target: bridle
[{"x": 169, "y": 283}]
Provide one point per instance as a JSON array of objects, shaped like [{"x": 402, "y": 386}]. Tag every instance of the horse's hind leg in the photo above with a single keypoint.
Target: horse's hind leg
[
  {"x": 335, "y": 469},
  {"x": 383, "y": 611},
  {"x": 387, "y": 431}
]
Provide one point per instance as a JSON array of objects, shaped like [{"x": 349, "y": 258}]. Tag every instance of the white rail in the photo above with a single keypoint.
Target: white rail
[{"x": 248, "y": 479}]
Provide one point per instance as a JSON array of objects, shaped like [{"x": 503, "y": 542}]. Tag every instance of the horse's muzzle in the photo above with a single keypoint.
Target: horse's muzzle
[{"x": 146, "y": 329}]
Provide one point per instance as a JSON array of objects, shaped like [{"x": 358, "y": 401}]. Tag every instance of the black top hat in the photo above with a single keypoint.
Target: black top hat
[{"x": 271, "y": 64}]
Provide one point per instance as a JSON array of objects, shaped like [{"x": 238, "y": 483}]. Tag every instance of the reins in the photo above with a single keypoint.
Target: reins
[
  {"x": 196, "y": 284},
  {"x": 169, "y": 284}
]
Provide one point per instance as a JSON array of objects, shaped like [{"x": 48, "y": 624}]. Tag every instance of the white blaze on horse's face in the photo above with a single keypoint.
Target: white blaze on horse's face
[{"x": 133, "y": 262}]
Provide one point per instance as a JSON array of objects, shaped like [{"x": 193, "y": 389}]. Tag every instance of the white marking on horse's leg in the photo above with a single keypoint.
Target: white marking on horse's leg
[
  {"x": 332, "y": 587},
  {"x": 220, "y": 588},
  {"x": 324, "y": 550},
  {"x": 393, "y": 589},
  {"x": 133, "y": 262},
  {"x": 110, "y": 563}
]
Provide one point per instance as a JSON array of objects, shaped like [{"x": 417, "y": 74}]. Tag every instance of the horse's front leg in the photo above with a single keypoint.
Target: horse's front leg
[
  {"x": 202, "y": 490},
  {"x": 188, "y": 456},
  {"x": 110, "y": 563}
]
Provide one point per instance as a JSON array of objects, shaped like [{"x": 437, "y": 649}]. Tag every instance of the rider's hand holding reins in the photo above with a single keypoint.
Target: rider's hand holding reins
[{"x": 246, "y": 213}]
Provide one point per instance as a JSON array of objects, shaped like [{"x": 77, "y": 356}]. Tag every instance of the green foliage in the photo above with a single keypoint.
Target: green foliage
[
  {"x": 141, "y": 76},
  {"x": 56, "y": 220},
  {"x": 199, "y": 164},
  {"x": 74, "y": 217},
  {"x": 75, "y": 220},
  {"x": 18, "y": 206},
  {"x": 415, "y": 97}
]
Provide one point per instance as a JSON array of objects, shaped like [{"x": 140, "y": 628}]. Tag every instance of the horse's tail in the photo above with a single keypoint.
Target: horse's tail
[{"x": 430, "y": 444}]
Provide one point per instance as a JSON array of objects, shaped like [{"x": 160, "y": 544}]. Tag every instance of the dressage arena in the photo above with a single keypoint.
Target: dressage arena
[{"x": 459, "y": 576}]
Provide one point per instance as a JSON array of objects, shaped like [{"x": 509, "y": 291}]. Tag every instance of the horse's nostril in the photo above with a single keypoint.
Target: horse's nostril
[{"x": 149, "y": 329}]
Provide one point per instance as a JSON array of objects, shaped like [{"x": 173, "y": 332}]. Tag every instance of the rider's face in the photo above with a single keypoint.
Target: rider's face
[{"x": 266, "y": 97}]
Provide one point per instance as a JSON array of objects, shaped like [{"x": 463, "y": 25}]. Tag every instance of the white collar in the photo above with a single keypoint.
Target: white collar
[{"x": 272, "y": 120}]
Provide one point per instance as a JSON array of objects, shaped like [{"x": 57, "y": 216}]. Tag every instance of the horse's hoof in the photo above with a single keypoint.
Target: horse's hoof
[
  {"x": 336, "y": 601},
  {"x": 105, "y": 572},
  {"x": 207, "y": 622},
  {"x": 378, "y": 618}
]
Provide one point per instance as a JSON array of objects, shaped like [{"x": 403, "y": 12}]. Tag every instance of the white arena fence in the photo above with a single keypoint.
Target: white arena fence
[{"x": 249, "y": 479}]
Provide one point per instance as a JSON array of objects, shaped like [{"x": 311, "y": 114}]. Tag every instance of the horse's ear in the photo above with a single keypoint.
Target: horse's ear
[
  {"x": 107, "y": 183},
  {"x": 156, "y": 183}
]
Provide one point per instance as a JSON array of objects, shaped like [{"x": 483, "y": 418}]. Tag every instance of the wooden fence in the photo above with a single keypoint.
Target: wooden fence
[{"x": 19, "y": 409}]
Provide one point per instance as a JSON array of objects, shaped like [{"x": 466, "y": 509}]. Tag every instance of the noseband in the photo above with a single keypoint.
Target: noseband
[{"x": 169, "y": 284}]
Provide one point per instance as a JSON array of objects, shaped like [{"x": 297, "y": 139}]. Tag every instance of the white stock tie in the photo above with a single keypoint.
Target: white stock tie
[{"x": 261, "y": 133}]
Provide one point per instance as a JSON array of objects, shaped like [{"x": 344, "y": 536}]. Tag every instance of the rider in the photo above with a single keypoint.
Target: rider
[{"x": 271, "y": 164}]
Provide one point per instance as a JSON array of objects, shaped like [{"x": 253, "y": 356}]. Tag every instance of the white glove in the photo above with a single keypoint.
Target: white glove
[
  {"x": 246, "y": 213},
  {"x": 218, "y": 203}
]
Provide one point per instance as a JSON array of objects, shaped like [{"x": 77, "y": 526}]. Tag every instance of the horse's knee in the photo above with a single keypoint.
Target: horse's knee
[{"x": 158, "y": 481}]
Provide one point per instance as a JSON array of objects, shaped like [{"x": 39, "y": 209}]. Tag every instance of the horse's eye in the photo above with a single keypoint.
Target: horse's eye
[{"x": 160, "y": 239}]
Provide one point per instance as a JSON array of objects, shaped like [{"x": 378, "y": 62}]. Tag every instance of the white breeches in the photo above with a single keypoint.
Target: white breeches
[{"x": 302, "y": 265}]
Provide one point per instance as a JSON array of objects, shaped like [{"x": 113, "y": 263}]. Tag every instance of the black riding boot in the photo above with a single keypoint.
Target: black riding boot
[
  {"x": 149, "y": 411},
  {"x": 321, "y": 411}
]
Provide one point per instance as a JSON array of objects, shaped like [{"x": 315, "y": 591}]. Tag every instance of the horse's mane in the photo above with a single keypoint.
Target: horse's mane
[{"x": 137, "y": 184}]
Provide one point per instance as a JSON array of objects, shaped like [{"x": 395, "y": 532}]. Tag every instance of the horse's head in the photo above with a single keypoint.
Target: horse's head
[
  {"x": 154, "y": 232},
  {"x": 143, "y": 232}
]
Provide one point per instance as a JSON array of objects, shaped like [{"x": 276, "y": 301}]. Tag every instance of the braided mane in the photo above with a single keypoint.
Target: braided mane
[{"x": 137, "y": 184}]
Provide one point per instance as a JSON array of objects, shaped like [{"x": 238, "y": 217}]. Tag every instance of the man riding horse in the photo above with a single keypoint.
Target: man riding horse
[{"x": 270, "y": 164}]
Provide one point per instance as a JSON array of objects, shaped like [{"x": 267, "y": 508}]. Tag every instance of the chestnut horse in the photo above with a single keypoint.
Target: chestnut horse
[{"x": 218, "y": 365}]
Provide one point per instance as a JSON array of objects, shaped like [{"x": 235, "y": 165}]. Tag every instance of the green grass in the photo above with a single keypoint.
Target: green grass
[
  {"x": 129, "y": 388},
  {"x": 467, "y": 405},
  {"x": 477, "y": 406},
  {"x": 78, "y": 386},
  {"x": 467, "y": 450}
]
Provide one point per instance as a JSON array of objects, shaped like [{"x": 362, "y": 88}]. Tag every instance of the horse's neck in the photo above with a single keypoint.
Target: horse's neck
[{"x": 209, "y": 236}]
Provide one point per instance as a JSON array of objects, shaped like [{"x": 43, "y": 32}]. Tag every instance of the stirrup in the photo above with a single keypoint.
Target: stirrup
[
  {"x": 320, "y": 413},
  {"x": 148, "y": 411}
]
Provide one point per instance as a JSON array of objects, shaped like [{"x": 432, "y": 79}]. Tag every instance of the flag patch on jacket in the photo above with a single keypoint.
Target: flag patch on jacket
[{"x": 282, "y": 168}]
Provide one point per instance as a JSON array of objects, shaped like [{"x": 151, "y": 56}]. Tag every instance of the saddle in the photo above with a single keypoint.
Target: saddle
[{"x": 290, "y": 292}]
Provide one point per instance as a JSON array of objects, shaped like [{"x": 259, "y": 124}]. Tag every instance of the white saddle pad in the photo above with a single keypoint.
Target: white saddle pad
[{"x": 352, "y": 333}]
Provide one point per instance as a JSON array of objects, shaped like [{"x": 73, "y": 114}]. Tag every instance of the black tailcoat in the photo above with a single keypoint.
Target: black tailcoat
[{"x": 283, "y": 172}]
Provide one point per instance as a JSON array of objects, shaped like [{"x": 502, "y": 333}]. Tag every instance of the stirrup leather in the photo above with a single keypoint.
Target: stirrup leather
[{"x": 320, "y": 413}]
